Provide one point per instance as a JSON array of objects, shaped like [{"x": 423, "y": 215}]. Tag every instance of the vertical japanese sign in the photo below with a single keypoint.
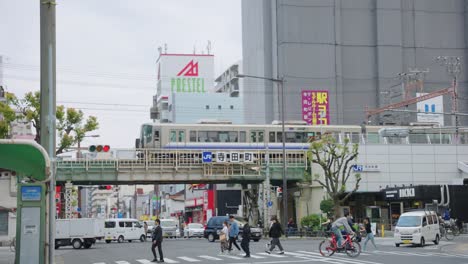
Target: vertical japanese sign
[{"x": 315, "y": 107}]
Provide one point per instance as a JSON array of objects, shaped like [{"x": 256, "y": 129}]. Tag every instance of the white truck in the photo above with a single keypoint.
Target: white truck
[{"x": 78, "y": 232}]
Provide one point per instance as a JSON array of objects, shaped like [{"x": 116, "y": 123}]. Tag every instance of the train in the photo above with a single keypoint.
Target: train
[{"x": 224, "y": 135}]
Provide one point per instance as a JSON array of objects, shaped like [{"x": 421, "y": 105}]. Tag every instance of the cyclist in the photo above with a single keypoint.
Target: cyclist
[{"x": 341, "y": 222}]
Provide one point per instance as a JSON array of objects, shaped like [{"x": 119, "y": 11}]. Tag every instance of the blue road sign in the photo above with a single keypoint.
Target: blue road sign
[
  {"x": 207, "y": 156},
  {"x": 269, "y": 203},
  {"x": 78, "y": 209}
]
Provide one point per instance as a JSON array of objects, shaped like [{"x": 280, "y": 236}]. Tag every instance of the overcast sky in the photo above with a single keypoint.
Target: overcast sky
[{"x": 106, "y": 52}]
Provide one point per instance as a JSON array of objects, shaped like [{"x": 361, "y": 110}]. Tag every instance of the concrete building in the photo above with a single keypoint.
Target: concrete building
[
  {"x": 8, "y": 192},
  {"x": 352, "y": 49}
]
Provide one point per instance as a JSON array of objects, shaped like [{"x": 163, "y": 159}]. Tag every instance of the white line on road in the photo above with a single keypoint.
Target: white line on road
[
  {"x": 122, "y": 262},
  {"x": 271, "y": 255},
  {"x": 256, "y": 257},
  {"x": 144, "y": 261},
  {"x": 341, "y": 259},
  {"x": 99, "y": 263},
  {"x": 168, "y": 260},
  {"x": 189, "y": 259},
  {"x": 231, "y": 257},
  {"x": 209, "y": 257}
]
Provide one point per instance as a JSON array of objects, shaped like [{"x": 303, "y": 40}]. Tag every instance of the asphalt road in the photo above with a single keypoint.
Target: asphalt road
[{"x": 297, "y": 251}]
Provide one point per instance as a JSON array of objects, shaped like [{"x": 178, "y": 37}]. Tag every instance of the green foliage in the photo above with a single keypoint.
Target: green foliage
[
  {"x": 326, "y": 206},
  {"x": 70, "y": 123},
  {"x": 7, "y": 115},
  {"x": 313, "y": 221}
]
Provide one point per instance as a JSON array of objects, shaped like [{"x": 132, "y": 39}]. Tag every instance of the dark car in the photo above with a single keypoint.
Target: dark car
[{"x": 215, "y": 225}]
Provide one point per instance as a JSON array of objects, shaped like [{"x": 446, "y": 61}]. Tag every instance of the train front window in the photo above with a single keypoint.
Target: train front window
[{"x": 173, "y": 136}]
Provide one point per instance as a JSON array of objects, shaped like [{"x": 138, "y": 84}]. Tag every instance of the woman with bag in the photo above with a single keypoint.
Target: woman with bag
[{"x": 223, "y": 237}]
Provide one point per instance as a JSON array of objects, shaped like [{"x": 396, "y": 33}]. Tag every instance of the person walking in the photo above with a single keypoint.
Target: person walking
[
  {"x": 223, "y": 237},
  {"x": 233, "y": 233},
  {"x": 370, "y": 235},
  {"x": 246, "y": 238},
  {"x": 275, "y": 233},
  {"x": 157, "y": 238},
  {"x": 145, "y": 226}
]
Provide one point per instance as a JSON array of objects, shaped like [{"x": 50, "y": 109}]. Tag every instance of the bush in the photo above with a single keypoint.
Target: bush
[{"x": 312, "y": 221}]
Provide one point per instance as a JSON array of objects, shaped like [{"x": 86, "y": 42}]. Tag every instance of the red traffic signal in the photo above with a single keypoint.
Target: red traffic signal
[
  {"x": 279, "y": 192},
  {"x": 99, "y": 148},
  {"x": 105, "y": 187}
]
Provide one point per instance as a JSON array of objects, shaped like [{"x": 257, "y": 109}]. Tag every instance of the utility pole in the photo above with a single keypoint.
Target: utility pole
[
  {"x": 48, "y": 105},
  {"x": 453, "y": 66}
]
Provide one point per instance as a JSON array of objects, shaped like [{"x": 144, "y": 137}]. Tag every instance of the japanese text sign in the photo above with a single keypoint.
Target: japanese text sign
[{"x": 315, "y": 107}]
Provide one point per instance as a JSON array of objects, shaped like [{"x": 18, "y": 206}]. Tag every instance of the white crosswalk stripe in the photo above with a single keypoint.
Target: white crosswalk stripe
[
  {"x": 168, "y": 260},
  {"x": 99, "y": 263},
  {"x": 209, "y": 257},
  {"x": 144, "y": 261},
  {"x": 256, "y": 257},
  {"x": 345, "y": 260},
  {"x": 272, "y": 255},
  {"x": 122, "y": 262},
  {"x": 231, "y": 257},
  {"x": 189, "y": 259}
]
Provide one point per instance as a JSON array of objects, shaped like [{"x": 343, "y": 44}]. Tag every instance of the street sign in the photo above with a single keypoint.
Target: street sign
[
  {"x": 207, "y": 157},
  {"x": 269, "y": 203}
]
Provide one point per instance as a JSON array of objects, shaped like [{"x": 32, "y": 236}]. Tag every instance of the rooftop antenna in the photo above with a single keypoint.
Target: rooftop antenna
[
  {"x": 165, "y": 48},
  {"x": 208, "y": 47}
]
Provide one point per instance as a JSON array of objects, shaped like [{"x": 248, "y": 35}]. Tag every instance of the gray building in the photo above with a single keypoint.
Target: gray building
[{"x": 354, "y": 49}]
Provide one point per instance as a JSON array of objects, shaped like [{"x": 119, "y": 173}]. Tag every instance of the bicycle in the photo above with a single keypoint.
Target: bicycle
[
  {"x": 328, "y": 247},
  {"x": 447, "y": 232},
  {"x": 13, "y": 245}
]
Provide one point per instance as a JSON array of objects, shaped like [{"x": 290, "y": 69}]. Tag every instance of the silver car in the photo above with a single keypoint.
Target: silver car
[{"x": 194, "y": 230}]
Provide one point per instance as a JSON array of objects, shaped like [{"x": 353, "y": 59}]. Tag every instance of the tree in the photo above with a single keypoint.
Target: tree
[
  {"x": 7, "y": 115},
  {"x": 327, "y": 207},
  {"x": 336, "y": 161},
  {"x": 70, "y": 124}
]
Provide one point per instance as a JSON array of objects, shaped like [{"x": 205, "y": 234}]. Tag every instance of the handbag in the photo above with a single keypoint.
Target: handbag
[{"x": 222, "y": 237}]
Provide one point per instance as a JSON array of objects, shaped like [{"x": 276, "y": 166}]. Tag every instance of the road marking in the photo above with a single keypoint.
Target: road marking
[
  {"x": 99, "y": 263},
  {"x": 189, "y": 259},
  {"x": 256, "y": 257},
  {"x": 340, "y": 258},
  {"x": 167, "y": 260},
  {"x": 231, "y": 257},
  {"x": 209, "y": 257},
  {"x": 122, "y": 262},
  {"x": 271, "y": 255},
  {"x": 144, "y": 261}
]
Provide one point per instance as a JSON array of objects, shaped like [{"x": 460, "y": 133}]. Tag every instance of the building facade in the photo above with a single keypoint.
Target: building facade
[{"x": 354, "y": 50}]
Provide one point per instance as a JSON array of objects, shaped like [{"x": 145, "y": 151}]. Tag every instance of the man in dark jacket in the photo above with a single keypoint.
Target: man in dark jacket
[
  {"x": 246, "y": 238},
  {"x": 275, "y": 233},
  {"x": 157, "y": 238}
]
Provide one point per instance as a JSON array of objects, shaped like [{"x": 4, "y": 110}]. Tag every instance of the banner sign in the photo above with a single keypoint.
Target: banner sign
[{"x": 315, "y": 107}]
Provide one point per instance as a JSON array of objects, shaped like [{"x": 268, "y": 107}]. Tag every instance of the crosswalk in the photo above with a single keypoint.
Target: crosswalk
[{"x": 366, "y": 257}]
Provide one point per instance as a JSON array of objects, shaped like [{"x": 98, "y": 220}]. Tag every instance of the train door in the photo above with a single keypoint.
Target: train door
[{"x": 156, "y": 137}]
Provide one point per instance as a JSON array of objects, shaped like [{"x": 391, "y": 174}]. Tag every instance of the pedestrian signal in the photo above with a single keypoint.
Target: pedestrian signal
[
  {"x": 279, "y": 192},
  {"x": 99, "y": 148},
  {"x": 104, "y": 187}
]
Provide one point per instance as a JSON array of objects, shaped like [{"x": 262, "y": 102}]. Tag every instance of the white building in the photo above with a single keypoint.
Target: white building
[{"x": 8, "y": 192}]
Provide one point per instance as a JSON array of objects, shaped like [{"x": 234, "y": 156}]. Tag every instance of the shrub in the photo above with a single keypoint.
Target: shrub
[{"x": 312, "y": 221}]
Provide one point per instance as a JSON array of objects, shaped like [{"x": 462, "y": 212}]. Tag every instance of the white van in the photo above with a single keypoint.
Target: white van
[
  {"x": 122, "y": 229},
  {"x": 170, "y": 228},
  {"x": 417, "y": 228}
]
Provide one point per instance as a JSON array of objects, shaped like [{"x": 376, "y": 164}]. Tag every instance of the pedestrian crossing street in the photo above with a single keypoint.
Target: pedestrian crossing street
[{"x": 291, "y": 257}]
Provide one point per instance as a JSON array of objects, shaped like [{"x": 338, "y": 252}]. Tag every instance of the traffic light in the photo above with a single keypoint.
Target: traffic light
[
  {"x": 99, "y": 148},
  {"x": 279, "y": 192},
  {"x": 105, "y": 187}
]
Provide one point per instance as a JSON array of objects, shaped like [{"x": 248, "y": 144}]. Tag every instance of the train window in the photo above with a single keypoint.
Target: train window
[
  {"x": 213, "y": 136},
  {"x": 202, "y": 136},
  {"x": 271, "y": 137},
  {"x": 279, "y": 136},
  {"x": 173, "y": 136},
  {"x": 181, "y": 136},
  {"x": 260, "y": 136},
  {"x": 233, "y": 136},
  {"x": 463, "y": 138},
  {"x": 156, "y": 135},
  {"x": 253, "y": 137},
  {"x": 193, "y": 136},
  {"x": 223, "y": 136},
  {"x": 243, "y": 136},
  {"x": 372, "y": 138}
]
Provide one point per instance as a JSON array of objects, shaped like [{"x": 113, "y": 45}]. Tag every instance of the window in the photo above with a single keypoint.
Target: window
[
  {"x": 253, "y": 137},
  {"x": 207, "y": 107},
  {"x": 218, "y": 136},
  {"x": 202, "y": 136},
  {"x": 3, "y": 223},
  {"x": 181, "y": 136},
  {"x": 219, "y": 107},
  {"x": 260, "y": 136},
  {"x": 128, "y": 224},
  {"x": 243, "y": 137},
  {"x": 232, "y": 107},
  {"x": 295, "y": 137},
  {"x": 173, "y": 136},
  {"x": 136, "y": 224},
  {"x": 213, "y": 136},
  {"x": 279, "y": 136},
  {"x": 193, "y": 136},
  {"x": 271, "y": 137},
  {"x": 121, "y": 224},
  {"x": 435, "y": 220},
  {"x": 109, "y": 225},
  {"x": 424, "y": 221}
]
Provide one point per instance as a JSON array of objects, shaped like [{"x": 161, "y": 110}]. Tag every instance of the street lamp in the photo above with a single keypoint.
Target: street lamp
[
  {"x": 78, "y": 154},
  {"x": 280, "y": 83}
]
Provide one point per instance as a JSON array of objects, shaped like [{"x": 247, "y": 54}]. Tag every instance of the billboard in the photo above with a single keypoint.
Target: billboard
[
  {"x": 185, "y": 73},
  {"x": 427, "y": 107},
  {"x": 315, "y": 107}
]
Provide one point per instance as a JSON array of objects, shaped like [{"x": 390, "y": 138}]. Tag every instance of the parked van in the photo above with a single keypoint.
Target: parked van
[
  {"x": 170, "y": 228},
  {"x": 417, "y": 228},
  {"x": 121, "y": 229}
]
